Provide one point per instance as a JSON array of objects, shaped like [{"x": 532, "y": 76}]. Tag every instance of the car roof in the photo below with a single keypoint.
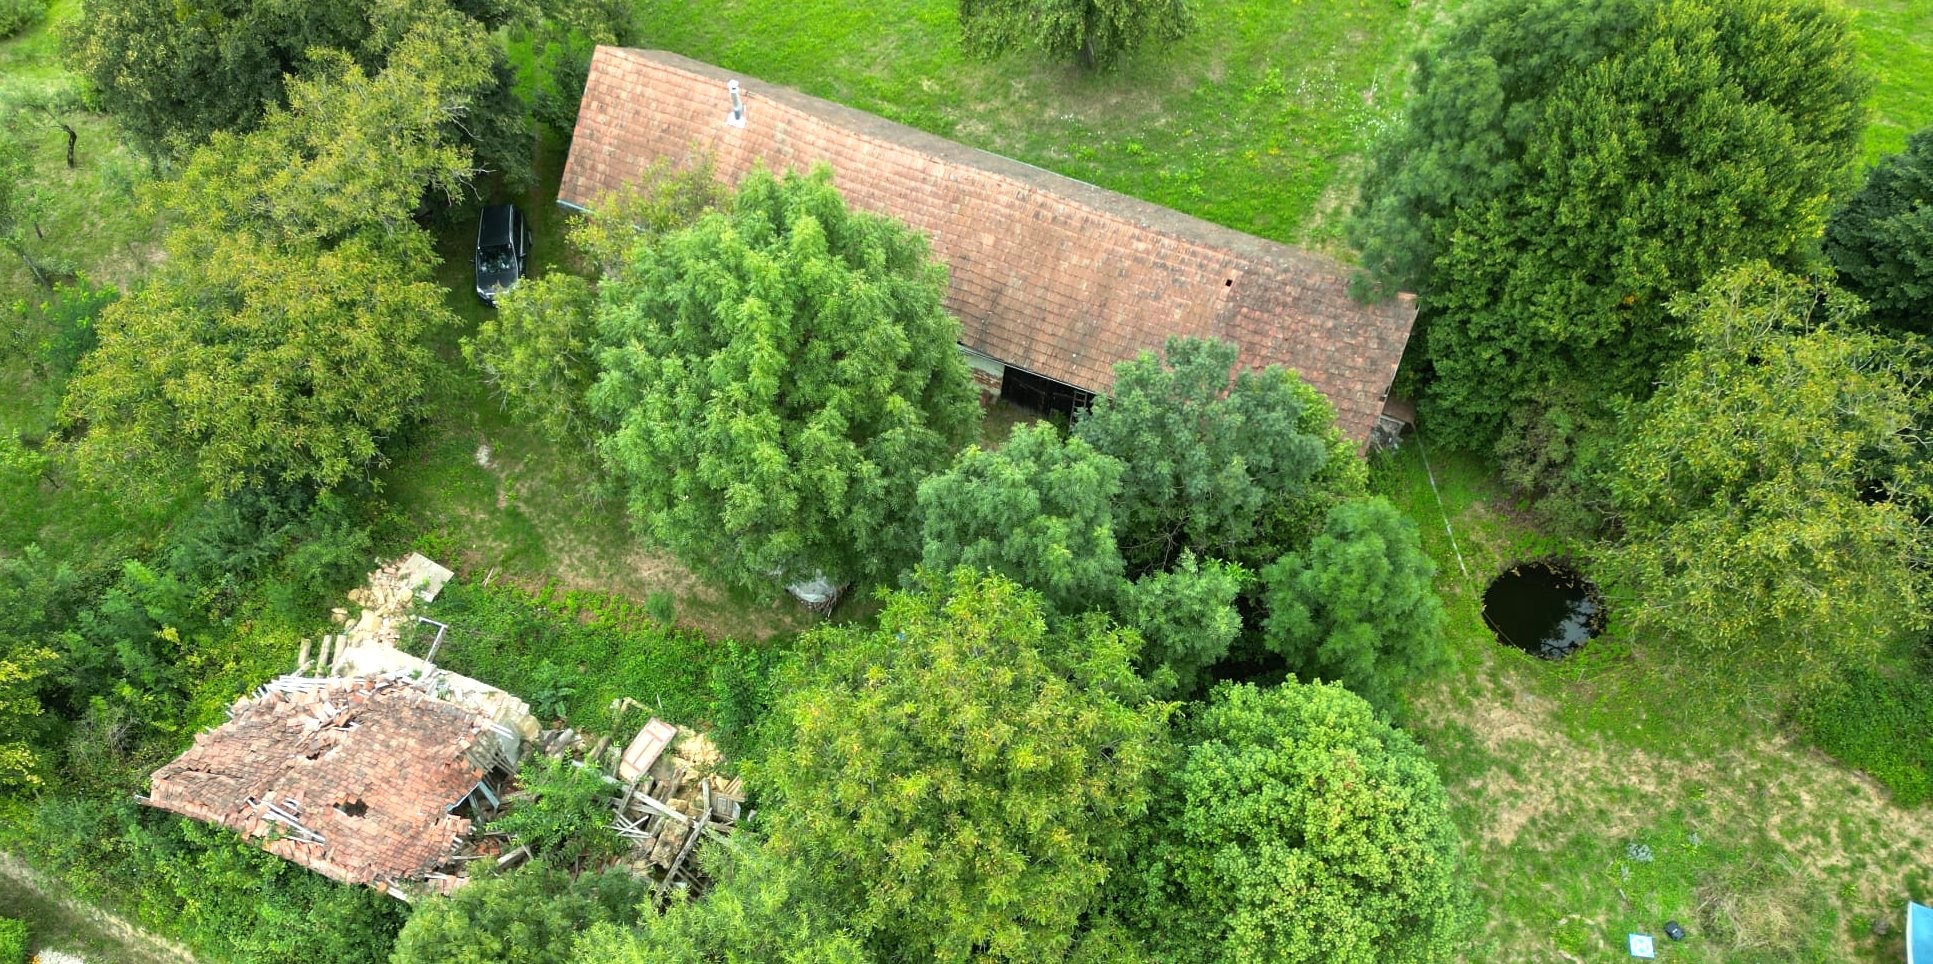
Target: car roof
[{"x": 494, "y": 226}]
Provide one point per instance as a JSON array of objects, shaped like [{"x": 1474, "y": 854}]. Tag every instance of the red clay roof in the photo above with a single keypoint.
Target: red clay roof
[
  {"x": 378, "y": 748},
  {"x": 1048, "y": 274}
]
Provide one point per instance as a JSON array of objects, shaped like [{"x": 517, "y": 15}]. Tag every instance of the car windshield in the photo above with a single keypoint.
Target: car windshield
[{"x": 495, "y": 259}]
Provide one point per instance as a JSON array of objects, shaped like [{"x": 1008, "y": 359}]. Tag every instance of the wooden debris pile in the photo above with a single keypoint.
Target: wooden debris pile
[{"x": 672, "y": 801}]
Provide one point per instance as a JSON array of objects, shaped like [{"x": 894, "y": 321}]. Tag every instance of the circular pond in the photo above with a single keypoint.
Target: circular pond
[{"x": 1546, "y": 609}]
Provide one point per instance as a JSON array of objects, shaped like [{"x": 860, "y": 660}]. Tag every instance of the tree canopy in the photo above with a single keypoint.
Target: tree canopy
[
  {"x": 1037, "y": 509},
  {"x": 243, "y": 362},
  {"x": 959, "y": 779},
  {"x": 1766, "y": 490},
  {"x": 1097, "y": 32},
  {"x": 528, "y": 916},
  {"x": 1299, "y": 827},
  {"x": 1881, "y": 239},
  {"x": 1564, "y": 169},
  {"x": 1358, "y": 607},
  {"x": 1187, "y": 619},
  {"x": 537, "y": 351},
  {"x": 1207, "y": 457},
  {"x": 173, "y": 75},
  {"x": 351, "y": 151},
  {"x": 777, "y": 380}
]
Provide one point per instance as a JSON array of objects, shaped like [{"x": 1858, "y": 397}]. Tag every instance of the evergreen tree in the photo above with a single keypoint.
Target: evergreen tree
[
  {"x": 778, "y": 380},
  {"x": 1358, "y": 607},
  {"x": 1565, "y": 168},
  {"x": 1208, "y": 457},
  {"x": 1187, "y": 619},
  {"x": 1037, "y": 510},
  {"x": 1881, "y": 240}
]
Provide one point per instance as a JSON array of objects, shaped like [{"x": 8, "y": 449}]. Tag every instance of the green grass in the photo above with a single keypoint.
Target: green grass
[
  {"x": 1896, "y": 46},
  {"x": 1762, "y": 849},
  {"x": 57, "y": 924}
]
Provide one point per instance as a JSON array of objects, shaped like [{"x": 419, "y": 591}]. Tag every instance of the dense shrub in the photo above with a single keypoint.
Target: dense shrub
[
  {"x": 528, "y": 916},
  {"x": 1880, "y": 722},
  {"x": 1299, "y": 827},
  {"x": 562, "y": 812},
  {"x": 13, "y": 941},
  {"x": 1881, "y": 240},
  {"x": 205, "y": 886},
  {"x": 15, "y": 16}
]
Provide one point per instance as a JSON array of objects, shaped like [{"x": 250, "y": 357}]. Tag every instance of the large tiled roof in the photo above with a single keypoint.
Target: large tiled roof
[
  {"x": 369, "y": 766},
  {"x": 1050, "y": 275}
]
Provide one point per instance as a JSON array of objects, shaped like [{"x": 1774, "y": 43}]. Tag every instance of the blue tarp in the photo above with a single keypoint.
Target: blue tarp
[{"x": 1919, "y": 934}]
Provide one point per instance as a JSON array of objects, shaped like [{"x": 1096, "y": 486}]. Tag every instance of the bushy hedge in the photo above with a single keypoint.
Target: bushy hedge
[
  {"x": 13, "y": 941},
  {"x": 15, "y": 16},
  {"x": 1881, "y": 723}
]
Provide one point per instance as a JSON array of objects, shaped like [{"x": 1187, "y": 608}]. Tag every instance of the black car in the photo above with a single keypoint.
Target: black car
[{"x": 503, "y": 249}]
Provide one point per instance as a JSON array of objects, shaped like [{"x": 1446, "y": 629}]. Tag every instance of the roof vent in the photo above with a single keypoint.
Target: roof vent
[{"x": 737, "y": 117}]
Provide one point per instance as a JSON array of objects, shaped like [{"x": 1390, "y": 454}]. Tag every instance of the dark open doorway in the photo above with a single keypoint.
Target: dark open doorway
[{"x": 1059, "y": 401}]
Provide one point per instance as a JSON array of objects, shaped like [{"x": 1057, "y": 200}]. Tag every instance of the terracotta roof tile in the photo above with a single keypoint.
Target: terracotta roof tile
[{"x": 1048, "y": 274}]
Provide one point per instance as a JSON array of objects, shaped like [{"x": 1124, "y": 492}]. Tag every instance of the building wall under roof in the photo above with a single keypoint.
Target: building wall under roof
[{"x": 1048, "y": 274}]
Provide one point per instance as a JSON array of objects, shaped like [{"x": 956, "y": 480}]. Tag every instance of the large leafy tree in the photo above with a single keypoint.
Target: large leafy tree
[
  {"x": 777, "y": 380},
  {"x": 352, "y": 151},
  {"x": 1098, "y": 32},
  {"x": 174, "y": 73},
  {"x": 536, "y": 350},
  {"x": 1038, "y": 510},
  {"x": 1208, "y": 457},
  {"x": 1299, "y": 827},
  {"x": 23, "y": 670},
  {"x": 243, "y": 362},
  {"x": 1357, "y": 607},
  {"x": 961, "y": 778},
  {"x": 1565, "y": 168},
  {"x": 1881, "y": 240},
  {"x": 1767, "y": 489},
  {"x": 528, "y": 916}
]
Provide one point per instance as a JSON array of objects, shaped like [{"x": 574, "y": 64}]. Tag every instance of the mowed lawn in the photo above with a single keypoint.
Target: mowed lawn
[{"x": 1259, "y": 121}]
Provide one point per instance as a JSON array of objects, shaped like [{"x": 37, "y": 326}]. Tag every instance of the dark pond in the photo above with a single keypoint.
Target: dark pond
[{"x": 1545, "y": 609}]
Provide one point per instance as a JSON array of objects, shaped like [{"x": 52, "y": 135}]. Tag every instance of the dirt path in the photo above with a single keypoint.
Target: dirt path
[{"x": 61, "y": 923}]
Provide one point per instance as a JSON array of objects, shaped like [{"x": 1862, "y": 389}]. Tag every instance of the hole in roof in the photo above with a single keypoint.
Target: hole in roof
[
  {"x": 353, "y": 808},
  {"x": 1229, "y": 283},
  {"x": 317, "y": 755}
]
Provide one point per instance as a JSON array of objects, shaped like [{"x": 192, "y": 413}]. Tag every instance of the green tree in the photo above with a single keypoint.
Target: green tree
[
  {"x": 1187, "y": 620},
  {"x": 1358, "y": 607},
  {"x": 562, "y": 813},
  {"x": 778, "y": 379},
  {"x": 528, "y": 916},
  {"x": 23, "y": 669},
  {"x": 351, "y": 152},
  {"x": 667, "y": 196},
  {"x": 1299, "y": 827},
  {"x": 1098, "y": 32},
  {"x": 1207, "y": 459},
  {"x": 23, "y": 208},
  {"x": 1881, "y": 239},
  {"x": 536, "y": 352},
  {"x": 1038, "y": 510},
  {"x": 174, "y": 74},
  {"x": 960, "y": 779},
  {"x": 1565, "y": 168},
  {"x": 246, "y": 362},
  {"x": 1766, "y": 490},
  {"x": 753, "y": 912}
]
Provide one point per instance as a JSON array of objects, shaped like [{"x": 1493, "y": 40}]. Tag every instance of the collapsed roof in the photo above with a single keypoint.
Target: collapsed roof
[
  {"x": 1047, "y": 274},
  {"x": 353, "y": 778}
]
